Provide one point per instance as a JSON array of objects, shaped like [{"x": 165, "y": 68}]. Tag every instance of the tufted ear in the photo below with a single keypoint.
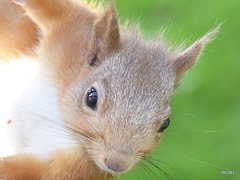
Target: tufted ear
[
  {"x": 18, "y": 34},
  {"x": 105, "y": 37},
  {"x": 46, "y": 13},
  {"x": 185, "y": 60}
]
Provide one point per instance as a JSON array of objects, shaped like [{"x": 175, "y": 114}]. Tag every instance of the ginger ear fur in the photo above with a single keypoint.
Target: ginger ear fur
[
  {"x": 188, "y": 58},
  {"x": 105, "y": 37},
  {"x": 18, "y": 33},
  {"x": 46, "y": 13}
]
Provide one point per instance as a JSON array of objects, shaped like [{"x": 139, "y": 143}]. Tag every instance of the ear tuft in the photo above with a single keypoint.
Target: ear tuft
[
  {"x": 106, "y": 36},
  {"x": 185, "y": 60},
  {"x": 211, "y": 35}
]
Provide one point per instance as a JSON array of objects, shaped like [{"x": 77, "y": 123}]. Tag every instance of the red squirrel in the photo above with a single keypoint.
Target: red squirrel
[{"x": 99, "y": 97}]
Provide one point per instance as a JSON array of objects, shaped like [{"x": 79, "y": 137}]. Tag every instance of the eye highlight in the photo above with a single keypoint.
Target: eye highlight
[
  {"x": 164, "y": 125},
  {"x": 92, "y": 98}
]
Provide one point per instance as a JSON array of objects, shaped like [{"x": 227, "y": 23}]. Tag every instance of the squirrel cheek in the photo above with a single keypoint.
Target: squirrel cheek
[
  {"x": 158, "y": 136},
  {"x": 149, "y": 145}
]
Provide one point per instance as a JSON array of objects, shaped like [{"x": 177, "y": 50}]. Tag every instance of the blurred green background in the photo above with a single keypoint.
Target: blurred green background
[{"x": 204, "y": 136}]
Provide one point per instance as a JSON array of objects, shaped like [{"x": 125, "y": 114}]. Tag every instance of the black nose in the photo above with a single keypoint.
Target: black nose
[{"x": 116, "y": 164}]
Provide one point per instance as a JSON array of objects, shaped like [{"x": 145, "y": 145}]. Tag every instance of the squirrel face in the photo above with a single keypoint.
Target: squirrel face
[
  {"x": 122, "y": 104},
  {"x": 114, "y": 89}
]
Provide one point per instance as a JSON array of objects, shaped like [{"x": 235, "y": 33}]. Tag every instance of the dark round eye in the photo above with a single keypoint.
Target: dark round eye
[
  {"x": 92, "y": 98},
  {"x": 164, "y": 125}
]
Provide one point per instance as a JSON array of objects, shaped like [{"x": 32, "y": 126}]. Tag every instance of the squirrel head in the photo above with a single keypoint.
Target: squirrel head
[{"x": 114, "y": 88}]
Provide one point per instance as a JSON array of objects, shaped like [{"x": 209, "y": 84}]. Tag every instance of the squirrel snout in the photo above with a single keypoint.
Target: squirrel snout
[{"x": 116, "y": 164}]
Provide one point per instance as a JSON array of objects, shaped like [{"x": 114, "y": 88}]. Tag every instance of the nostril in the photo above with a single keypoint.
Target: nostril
[{"x": 115, "y": 165}]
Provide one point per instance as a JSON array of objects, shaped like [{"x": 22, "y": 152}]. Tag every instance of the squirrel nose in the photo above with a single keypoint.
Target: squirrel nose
[{"x": 116, "y": 164}]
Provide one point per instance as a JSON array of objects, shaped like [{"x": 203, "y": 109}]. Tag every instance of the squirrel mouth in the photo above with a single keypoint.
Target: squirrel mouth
[{"x": 115, "y": 164}]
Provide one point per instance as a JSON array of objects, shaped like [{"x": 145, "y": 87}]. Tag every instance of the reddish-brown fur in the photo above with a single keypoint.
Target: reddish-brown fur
[
  {"x": 17, "y": 32},
  {"x": 61, "y": 166},
  {"x": 77, "y": 165},
  {"x": 64, "y": 165},
  {"x": 92, "y": 39}
]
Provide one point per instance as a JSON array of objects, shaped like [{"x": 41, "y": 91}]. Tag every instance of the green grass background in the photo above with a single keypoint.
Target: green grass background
[{"x": 204, "y": 136}]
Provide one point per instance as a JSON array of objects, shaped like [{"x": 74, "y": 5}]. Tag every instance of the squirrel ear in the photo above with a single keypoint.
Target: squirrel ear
[
  {"x": 106, "y": 36},
  {"x": 185, "y": 60},
  {"x": 45, "y": 13}
]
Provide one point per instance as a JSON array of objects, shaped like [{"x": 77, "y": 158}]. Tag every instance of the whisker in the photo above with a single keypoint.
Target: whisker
[
  {"x": 206, "y": 131},
  {"x": 151, "y": 163},
  {"x": 176, "y": 138},
  {"x": 143, "y": 169},
  {"x": 149, "y": 171},
  {"x": 178, "y": 169},
  {"x": 70, "y": 127},
  {"x": 195, "y": 160},
  {"x": 196, "y": 117}
]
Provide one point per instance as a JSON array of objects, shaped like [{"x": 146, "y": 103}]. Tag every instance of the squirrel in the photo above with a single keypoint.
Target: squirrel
[{"x": 99, "y": 101}]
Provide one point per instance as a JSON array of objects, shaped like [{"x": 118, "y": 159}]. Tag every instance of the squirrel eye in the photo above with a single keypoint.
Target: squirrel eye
[
  {"x": 164, "y": 125},
  {"x": 92, "y": 98}
]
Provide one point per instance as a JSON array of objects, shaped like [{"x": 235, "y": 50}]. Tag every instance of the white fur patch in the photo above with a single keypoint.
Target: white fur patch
[{"x": 36, "y": 125}]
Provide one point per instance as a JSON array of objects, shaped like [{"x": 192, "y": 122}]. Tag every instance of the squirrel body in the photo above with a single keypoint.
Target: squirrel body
[
  {"x": 99, "y": 99},
  {"x": 30, "y": 132}
]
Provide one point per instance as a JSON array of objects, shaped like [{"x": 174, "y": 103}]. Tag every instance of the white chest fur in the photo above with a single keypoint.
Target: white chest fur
[{"x": 32, "y": 105}]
